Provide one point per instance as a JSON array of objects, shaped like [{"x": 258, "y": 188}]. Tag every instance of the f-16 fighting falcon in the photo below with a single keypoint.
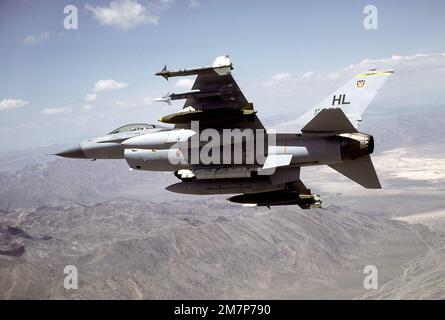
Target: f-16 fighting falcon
[{"x": 217, "y": 145}]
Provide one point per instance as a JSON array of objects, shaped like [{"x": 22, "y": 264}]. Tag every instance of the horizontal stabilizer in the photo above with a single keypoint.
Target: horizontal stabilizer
[
  {"x": 360, "y": 170},
  {"x": 330, "y": 121}
]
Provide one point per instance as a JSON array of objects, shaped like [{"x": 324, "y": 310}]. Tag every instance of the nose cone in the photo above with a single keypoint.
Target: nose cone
[{"x": 73, "y": 152}]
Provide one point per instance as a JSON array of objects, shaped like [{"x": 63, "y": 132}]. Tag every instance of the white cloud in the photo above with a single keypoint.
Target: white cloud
[
  {"x": 107, "y": 85},
  {"x": 87, "y": 107},
  {"x": 12, "y": 103},
  {"x": 308, "y": 74},
  {"x": 90, "y": 97},
  {"x": 53, "y": 111},
  {"x": 184, "y": 83},
  {"x": 281, "y": 76},
  {"x": 35, "y": 39},
  {"x": 194, "y": 4},
  {"x": 127, "y": 14},
  {"x": 125, "y": 104},
  {"x": 278, "y": 78}
]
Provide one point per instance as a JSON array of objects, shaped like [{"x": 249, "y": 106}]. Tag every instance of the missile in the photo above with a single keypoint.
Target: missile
[
  {"x": 194, "y": 93},
  {"x": 225, "y": 92},
  {"x": 182, "y": 72},
  {"x": 163, "y": 73},
  {"x": 165, "y": 98},
  {"x": 221, "y": 65}
]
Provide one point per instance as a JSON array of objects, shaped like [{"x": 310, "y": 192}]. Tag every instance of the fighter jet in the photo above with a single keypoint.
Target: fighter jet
[{"x": 265, "y": 172}]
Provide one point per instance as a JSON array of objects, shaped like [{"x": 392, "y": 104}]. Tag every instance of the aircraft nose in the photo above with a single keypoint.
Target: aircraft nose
[{"x": 73, "y": 152}]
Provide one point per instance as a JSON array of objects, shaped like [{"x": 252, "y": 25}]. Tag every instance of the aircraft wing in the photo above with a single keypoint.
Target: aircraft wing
[
  {"x": 215, "y": 98},
  {"x": 223, "y": 93}
]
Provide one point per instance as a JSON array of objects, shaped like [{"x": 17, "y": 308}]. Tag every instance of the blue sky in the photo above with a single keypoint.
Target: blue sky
[{"x": 46, "y": 71}]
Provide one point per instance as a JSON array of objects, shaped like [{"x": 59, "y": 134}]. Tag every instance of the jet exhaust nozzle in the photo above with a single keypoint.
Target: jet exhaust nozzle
[{"x": 356, "y": 145}]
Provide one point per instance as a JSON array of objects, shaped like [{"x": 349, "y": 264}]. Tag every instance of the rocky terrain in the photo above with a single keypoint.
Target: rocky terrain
[
  {"x": 134, "y": 249},
  {"x": 85, "y": 181},
  {"x": 131, "y": 239},
  {"x": 424, "y": 276}
]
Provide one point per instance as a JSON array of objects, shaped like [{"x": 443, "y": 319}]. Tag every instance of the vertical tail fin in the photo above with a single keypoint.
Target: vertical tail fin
[{"x": 353, "y": 97}]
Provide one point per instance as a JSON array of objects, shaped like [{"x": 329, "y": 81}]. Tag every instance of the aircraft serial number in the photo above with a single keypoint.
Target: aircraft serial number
[{"x": 244, "y": 309}]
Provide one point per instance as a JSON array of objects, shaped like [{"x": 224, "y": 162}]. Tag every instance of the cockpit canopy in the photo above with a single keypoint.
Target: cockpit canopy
[{"x": 133, "y": 127}]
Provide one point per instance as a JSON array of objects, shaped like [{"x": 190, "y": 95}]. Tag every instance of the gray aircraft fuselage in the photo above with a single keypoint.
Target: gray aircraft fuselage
[{"x": 148, "y": 147}]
